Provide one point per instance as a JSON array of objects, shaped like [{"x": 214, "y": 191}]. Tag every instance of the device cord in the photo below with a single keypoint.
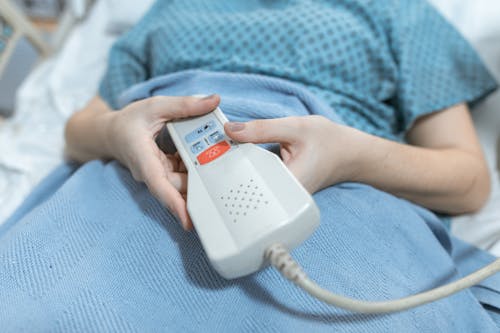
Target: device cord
[{"x": 281, "y": 259}]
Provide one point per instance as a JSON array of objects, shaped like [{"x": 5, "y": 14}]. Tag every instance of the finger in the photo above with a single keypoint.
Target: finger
[
  {"x": 172, "y": 163},
  {"x": 173, "y": 107},
  {"x": 171, "y": 166},
  {"x": 282, "y": 130},
  {"x": 168, "y": 196},
  {"x": 182, "y": 166},
  {"x": 187, "y": 224},
  {"x": 286, "y": 156},
  {"x": 178, "y": 181},
  {"x": 162, "y": 184}
]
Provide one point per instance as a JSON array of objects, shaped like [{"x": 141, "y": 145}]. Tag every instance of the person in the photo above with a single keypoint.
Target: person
[{"x": 369, "y": 102}]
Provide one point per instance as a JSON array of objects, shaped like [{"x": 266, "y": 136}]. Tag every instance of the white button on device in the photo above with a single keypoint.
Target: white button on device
[
  {"x": 197, "y": 147},
  {"x": 216, "y": 137}
]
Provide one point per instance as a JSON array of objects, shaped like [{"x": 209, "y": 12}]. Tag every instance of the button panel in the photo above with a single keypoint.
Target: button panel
[
  {"x": 205, "y": 139},
  {"x": 200, "y": 132}
]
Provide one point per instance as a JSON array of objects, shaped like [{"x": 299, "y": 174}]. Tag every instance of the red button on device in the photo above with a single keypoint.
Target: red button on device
[{"x": 213, "y": 152}]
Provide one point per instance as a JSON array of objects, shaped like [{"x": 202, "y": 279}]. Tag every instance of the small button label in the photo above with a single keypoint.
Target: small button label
[{"x": 213, "y": 152}]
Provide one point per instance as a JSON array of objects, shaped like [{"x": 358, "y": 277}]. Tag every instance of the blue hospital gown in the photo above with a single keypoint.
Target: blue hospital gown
[{"x": 378, "y": 64}]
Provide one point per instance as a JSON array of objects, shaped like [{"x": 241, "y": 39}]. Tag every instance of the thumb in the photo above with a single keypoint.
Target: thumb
[
  {"x": 279, "y": 130},
  {"x": 174, "y": 107}
]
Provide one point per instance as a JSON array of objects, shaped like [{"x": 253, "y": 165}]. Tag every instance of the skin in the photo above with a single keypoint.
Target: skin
[{"x": 442, "y": 167}]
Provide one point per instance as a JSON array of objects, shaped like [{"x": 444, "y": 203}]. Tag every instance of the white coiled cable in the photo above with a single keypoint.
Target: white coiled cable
[{"x": 281, "y": 259}]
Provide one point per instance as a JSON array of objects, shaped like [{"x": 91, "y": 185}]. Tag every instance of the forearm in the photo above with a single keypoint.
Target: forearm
[
  {"x": 448, "y": 180},
  {"x": 439, "y": 170},
  {"x": 86, "y": 132}
]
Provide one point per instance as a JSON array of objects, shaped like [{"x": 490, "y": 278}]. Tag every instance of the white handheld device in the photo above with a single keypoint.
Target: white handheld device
[
  {"x": 248, "y": 209},
  {"x": 241, "y": 198}
]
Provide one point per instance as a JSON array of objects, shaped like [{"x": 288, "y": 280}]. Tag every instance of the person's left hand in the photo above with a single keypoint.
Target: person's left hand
[{"x": 317, "y": 151}]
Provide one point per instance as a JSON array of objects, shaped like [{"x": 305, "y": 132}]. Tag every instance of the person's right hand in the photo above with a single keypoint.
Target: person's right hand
[{"x": 131, "y": 137}]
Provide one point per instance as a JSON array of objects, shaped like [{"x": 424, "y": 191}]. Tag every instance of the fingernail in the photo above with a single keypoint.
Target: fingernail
[
  {"x": 184, "y": 226},
  {"x": 235, "y": 127},
  {"x": 207, "y": 97}
]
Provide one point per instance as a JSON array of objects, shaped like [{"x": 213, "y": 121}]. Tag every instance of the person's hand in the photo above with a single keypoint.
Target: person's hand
[
  {"x": 131, "y": 137},
  {"x": 317, "y": 151}
]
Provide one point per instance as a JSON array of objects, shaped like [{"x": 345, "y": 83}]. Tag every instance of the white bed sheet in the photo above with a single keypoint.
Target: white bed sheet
[{"x": 31, "y": 143}]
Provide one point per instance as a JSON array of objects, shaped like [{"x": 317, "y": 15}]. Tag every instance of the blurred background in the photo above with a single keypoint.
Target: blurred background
[{"x": 44, "y": 25}]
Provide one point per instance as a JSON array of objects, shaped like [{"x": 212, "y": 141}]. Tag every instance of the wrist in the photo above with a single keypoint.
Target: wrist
[
  {"x": 108, "y": 133},
  {"x": 351, "y": 149},
  {"x": 372, "y": 151}
]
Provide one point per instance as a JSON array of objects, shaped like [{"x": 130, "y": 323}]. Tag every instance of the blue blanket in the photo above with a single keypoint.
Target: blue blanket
[{"x": 91, "y": 250}]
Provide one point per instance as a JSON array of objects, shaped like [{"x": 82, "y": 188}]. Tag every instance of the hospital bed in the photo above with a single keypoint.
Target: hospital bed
[
  {"x": 16, "y": 25},
  {"x": 31, "y": 142}
]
